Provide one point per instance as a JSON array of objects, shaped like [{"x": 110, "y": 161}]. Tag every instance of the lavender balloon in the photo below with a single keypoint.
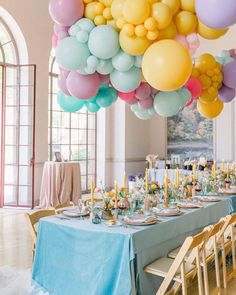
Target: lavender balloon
[
  {"x": 147, "y": 103},
  {"x": 62, "y": 84},
  {"x": 226, "y": 94},
  {"x": 66, "y": 12},
  {"x": 143, "y": 91},
  {"x": 217, "y": 14},
  {"x": 83, "y": 86},
  {"x": 229, "y": 73}
]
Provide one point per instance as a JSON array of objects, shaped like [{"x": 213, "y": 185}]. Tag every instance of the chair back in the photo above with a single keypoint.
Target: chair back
[{"x": 33, "y": 219}]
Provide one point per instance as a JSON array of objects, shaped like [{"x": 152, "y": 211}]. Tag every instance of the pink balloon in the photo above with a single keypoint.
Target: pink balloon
[
  {"x": 143, "y": 91},
  {"x": 147, "y": 103},
  {"x": 58, "y": 28},
  {"x": 126, "y": 96},
  {"x": 104, "y": 78},
  {"x": 131, "y": 101},
  {"x": 83, "y": 86},
  {"x": 61, "y": 35},
  {"x": 194, "y": 86},
  {"x": 62, "y": 84},
  {"x": 66, "y": 12},
  {"x": 64, "y": 72},
  {"x": 54, "y": 40},
  {"x": 189, "y": 103},
  {"x": 154, "y": 91},
  {"x": 232, "y": 53},
  {"x": 182, "y": 39}
]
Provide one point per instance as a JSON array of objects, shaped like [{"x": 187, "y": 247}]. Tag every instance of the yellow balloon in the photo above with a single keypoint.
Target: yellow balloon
[
  {"x": 150, "y": 24},
  {"x": 209, "y": 33},
  {"x": 120, "y": 23},
  {"x": 208, "y": 95},
  {"x": 90, "y": 10},
  {"x": 186, "y": 22},
  {"x": 99, "y": 8},
  {"x": 140, "y": 31},
  {"x": 107, "y": 3},
  {"x": 210, "y": 110},
  {"x": 188, "y": 5},
  {"x": 135, "y": 12},
  {"x": 167, "y": 65},
  {"x": 169, "y": 32},
  {"x": 205, "y": 81},
  {"x": 162, "y": 14},
  {"x": 133, "y": 45},
  {"x": 116, "y": 8},
  {"x": 87, "y": 1},
  {"x": 107, "y": 13},
  {"x": 205, "y": 62},
  {"x": 195, "y": 73},
  {"x": 128, "y": 29},
  {"x": 152, "y": 35},
  {"x": 174, "y": 5},
  {"x": 100, "y": 20}
]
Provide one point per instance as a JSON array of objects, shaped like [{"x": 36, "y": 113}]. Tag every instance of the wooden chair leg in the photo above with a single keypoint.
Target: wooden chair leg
[
  {"x": 217, "y": 267},
  {"x": 233, "y": 248},
  {"x": 199, "y": 274},
  {"x": 205, "y": 272},
  {"x": 184, "y": 282},
  {"x": 224, "y": 265}
]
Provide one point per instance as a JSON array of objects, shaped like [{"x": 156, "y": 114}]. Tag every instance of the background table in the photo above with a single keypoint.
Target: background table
[
  {"x": 61, "y": 183},
  {"x": 78, "y": 257}
]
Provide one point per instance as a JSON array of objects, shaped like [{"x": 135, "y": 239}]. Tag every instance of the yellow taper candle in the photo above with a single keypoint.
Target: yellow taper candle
[
  {"x": 227, "y": 170},
  {"x": 223, "y": 165},
  {"x": 125, "y": 182},
  {"x": 177, "y": 177},
  {"x": 233, "y": 168},
  {"x": 116, "y": 194},
  {"x": 146, "y": 181},
  {"x": 92, "y": 191},
  {"x": 194, "y": 173}
]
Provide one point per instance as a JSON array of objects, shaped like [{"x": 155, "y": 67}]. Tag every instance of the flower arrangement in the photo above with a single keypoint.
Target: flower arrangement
[{"x": 151, "y": 159}]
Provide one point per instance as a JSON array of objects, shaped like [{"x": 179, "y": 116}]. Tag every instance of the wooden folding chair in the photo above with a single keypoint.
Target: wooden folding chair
[
  {"x": 183, "y": 266},
  {"x": 227, "y": 245},
  {"x": 33, "y": 219},
  {"x": 64, "y": 205}
]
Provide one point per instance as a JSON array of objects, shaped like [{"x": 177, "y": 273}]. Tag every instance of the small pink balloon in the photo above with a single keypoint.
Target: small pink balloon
[
  {"x": 54, "y": 40},
  {"x": 58, "y": 28},
  {"x": 66, "y": 12},
  {"x": 189, "y": 103},
  {"x": 232, "y": 53},
  {"x": 147, "y": 103},
  {"x": 143, "y": 91},
  {"x": 62, "y": 35},
  {"x": 64, "y": 72},
  {"x": 126, "y": 96},
  {"x": 131, "y": 101},
  {"x": 104, "y": 78},
  {"x": 194, "y": 86},
  {"x": 182, "y": 39},
  {"x": 154, "y": 91},
  {"x": 83, "y": 86},
  {"x": 62, "y": 84}
]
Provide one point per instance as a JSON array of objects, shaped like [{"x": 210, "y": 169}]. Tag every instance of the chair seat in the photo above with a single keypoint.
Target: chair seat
[
  {"x": 161, "y": 267},
  {"x": 172, "y": 254}
]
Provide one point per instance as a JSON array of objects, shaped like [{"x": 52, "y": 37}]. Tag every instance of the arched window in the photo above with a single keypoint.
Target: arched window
[
  {"x": 71, "y": 134},
  {"x": 8, "y": 48}
]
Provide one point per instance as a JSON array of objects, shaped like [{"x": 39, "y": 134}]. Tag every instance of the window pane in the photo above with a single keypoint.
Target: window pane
[
  {"x": 91, "y": 121},
  {"x": 11, "y": 115},
  {"x": 82, "y": 121},
  {"x": 91, "y": 137},
  {"x": 91, "y": 152},
  {"x": 10, "y": 195},
  {"x": 10, "y": 154}
]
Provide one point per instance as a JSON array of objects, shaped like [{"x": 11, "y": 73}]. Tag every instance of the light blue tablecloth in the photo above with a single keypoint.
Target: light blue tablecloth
[{"x": 78, "y": 257}]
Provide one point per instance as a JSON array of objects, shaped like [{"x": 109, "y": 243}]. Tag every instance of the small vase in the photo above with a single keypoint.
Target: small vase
[
  {"x": 106, "y": 214},
  {"x": 123, "y": 204},
  {"x": 189, "y": 189}
]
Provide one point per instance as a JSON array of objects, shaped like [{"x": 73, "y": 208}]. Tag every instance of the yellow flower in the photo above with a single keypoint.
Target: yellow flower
[{"x": 110, "y": 194}]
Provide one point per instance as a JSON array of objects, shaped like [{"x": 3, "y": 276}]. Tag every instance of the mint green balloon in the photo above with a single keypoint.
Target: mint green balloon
[
  {"x": 85, "y": 24},
  {"x": 143, "y": 114},
  {"x": 104, "y": 42},
  {"x": 122, "y": 61},
  {"x": 134, "y": 107},
  {"x": 92, "y": 107},
  {"x": 167, "y": 104},
  {"x": 152, "y": 111},
  {"x": 126, "y": 81},
  {"x": 185, "y": 95},
  {"x": 105, "y": 67},
  {"x": 72, "y": 54},
  {"x": 69, "y": 103}
]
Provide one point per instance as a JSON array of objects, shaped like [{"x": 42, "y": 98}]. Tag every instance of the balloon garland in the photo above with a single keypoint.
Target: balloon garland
[{"x": 141, "y": 51}]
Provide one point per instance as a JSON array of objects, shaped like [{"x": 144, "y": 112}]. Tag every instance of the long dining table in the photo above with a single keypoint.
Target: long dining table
[{"x": 75, "y": 256}]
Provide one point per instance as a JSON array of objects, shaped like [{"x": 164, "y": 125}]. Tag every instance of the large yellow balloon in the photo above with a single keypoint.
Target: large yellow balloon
[
  {"x": 135, "y": 12},
  {"x": 208, "y": 95},
  {"x": 90, "y": 10},
  {"x": 133, "y": 45},
  {"x": 186, "y": 22},
  {"x": 210, "y": 110},
  {"x": 188, "y": 5},
  {"x": 168, "y": 33},
  {"x": 162, "y": 14},
  {"x": 205, "y": 62},
  {"x": 173, "y": 5},
  {"x": 209, "y": 33},
  {"x": 116, "y": 8},
  {"x": 167, "y": 65}
]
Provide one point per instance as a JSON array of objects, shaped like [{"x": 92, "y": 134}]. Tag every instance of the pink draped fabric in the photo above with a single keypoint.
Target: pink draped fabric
[{"x": 61, "y": 183}]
